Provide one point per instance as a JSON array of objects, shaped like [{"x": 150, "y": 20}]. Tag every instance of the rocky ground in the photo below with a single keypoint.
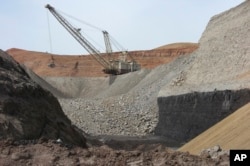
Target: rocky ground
[
  {"x": 35, "y": 131},
  {"x": 220, "y": 63},
  {"x": 27, "y": 111},
  {"x": 112, "y": 109},
  {"x": 127, "y": 104},
  {"x": 47, "y": 152}
]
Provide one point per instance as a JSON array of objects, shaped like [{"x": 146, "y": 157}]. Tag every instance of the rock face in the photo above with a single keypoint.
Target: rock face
[
  {"x": 184, "y": 116},
  {"x": 29, "y": 112}
]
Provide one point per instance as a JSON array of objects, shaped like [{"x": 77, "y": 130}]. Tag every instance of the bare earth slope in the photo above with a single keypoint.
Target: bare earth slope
[
  {"x": 232, "y": 132},
  {"x": 50, "y": 153},
  {"x": 29, "y": 112},
  {"x": 221, "y": 63},
  {"x": 222, "y": 60},
  {"x": 86, "y": 66},
  {"x": 35, "y": 131}
]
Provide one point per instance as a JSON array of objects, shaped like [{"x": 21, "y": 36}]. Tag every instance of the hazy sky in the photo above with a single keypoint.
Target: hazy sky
[{"x": 135, "y": 24}]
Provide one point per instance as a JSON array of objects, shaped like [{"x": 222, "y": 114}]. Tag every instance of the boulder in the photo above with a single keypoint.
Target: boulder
[
  {"x": 29, "y": 112},
  {"x": 214, "y": 152}
]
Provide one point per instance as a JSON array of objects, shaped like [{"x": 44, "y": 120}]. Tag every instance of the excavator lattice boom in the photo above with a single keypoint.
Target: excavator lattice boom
[
  {"x": 107, "y": 42},
  {"x": 110, "y": 67}
]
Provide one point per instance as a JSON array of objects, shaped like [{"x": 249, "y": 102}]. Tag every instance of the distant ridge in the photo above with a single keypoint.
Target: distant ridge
[
  {"x": 87, "y": 66},
  {"x": 177, "y": 46}
]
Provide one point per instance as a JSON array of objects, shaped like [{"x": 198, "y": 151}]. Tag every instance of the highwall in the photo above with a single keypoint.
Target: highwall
[
  {"x": 158, "y": 53},
  {"x": 183, "y": 117}
]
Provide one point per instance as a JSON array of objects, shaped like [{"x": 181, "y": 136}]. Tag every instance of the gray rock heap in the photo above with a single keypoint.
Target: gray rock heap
[{"x": 29, "y": 112}]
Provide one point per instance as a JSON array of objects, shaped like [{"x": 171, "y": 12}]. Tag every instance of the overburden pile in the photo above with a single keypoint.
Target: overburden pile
[
  {"x": 215, "y": 77},
  {"x": 147, "y": 102},
  {"x": 27, "y": 111}
]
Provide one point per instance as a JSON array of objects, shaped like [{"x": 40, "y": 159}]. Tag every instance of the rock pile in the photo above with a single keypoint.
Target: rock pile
[
  {"x": 50, "y": 153},
  {"x": 220, "y": 63},
  {"x": 215, "y": 153},
  {"x": 131, "y": 113},
  {"x": 127, "y": 105},
  {"x": 28, "y": 112},
  {"x": 222, "y": 60}
]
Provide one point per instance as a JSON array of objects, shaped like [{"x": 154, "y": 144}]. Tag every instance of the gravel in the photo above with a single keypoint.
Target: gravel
[
  {"x": 128, "y": 106},
  {"x": 134, "y": 113},
  {"x": 222, "y": 60}
]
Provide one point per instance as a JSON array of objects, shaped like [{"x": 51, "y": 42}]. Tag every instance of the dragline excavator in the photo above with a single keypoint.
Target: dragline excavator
[
  {"x": 119, "y": 66},
  {"x": 107, "y": 42}
]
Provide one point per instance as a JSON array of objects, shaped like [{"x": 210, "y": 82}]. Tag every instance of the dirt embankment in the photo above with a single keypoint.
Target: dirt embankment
[
  {"x": 27, "y": 111},
  {"x": 221, "y": 63},
  {"x": 35, "y": 131},
  {"x": 129, "y": 105},
  {"x": 232, "y": 132},
  {"x": 185, "y": 116},
  {"x": 54, "y": 153},
  {"x": 45, "y": 64}
]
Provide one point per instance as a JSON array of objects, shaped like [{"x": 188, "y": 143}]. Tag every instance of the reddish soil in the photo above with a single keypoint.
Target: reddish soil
[
  {"x": 87, "y": 66},
  {"x": 48, "y": 152}
]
